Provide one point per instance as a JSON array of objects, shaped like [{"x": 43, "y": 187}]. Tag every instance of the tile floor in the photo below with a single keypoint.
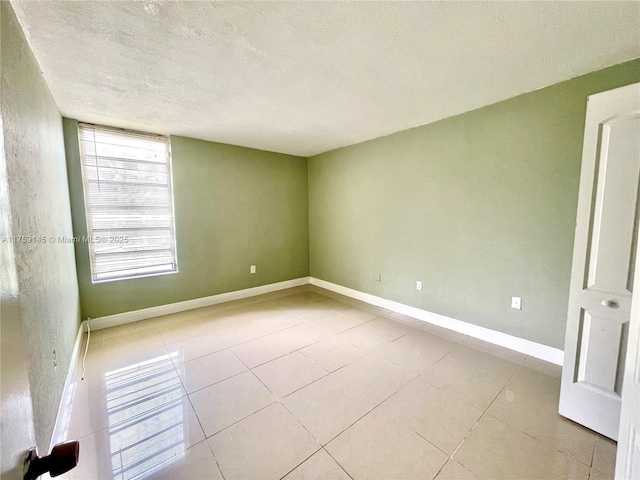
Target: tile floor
[{"x": 306, "y": 384}]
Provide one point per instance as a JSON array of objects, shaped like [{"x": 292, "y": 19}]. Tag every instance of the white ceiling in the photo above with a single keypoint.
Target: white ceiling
[{"x": 307, "y": 77}]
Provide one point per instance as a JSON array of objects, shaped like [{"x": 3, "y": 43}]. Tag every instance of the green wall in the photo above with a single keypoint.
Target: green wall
[
  {"x": 234, "y": 207},
  {"x": 479, "y": 207},
  {"x": 39, "y": 291}
]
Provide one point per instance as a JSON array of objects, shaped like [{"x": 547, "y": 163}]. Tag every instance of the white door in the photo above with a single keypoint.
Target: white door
[
  {"x": 603, "y": 262},
  {"x": 628, "y": 459}
]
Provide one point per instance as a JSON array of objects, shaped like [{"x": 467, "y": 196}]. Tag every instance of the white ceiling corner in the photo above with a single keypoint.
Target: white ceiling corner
[{"x": 307, "y": 77}]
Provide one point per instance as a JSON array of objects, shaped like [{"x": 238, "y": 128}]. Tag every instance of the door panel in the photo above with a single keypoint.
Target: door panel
[
  {"x": 599, "y": 349},
  {"x": 603, "y": 261},
  {"x": 612, "y": 234}
]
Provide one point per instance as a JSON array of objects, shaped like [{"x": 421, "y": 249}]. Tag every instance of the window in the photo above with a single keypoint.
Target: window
[{"x": 129, "y": 203}]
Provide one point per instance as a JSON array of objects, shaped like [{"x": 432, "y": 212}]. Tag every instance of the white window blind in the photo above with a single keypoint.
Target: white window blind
[{"x": 129, "y": 203}]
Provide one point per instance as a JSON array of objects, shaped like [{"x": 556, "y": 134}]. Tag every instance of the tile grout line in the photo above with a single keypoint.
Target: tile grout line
[
  {"x": 285, "y": 310},
  {"x": 338, "y": 463},
  {"x": 281, "y": 478},
  {"x": 246, "y": 416},
  {"x": 483, "y": 414}
]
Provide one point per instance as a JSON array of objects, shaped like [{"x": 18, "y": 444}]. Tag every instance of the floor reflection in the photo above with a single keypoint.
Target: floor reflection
[{"x": 147, "y": 427}]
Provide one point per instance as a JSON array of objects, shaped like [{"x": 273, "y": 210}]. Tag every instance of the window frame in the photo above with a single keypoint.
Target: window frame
[{"x": 87, "y": 208}]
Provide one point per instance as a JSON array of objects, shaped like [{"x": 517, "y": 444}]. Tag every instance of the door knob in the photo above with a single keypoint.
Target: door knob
[
  {"x": 609, "y": 303},
  {"x": 63, "y": 457}
]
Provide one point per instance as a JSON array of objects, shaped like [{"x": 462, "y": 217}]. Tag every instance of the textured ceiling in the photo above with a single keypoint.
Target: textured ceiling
[{"x": 307, "y": 77}]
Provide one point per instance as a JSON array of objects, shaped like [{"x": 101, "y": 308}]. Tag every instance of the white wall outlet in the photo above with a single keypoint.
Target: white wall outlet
[
  {"x": 419, "y": 285},
  {"x": 516, "y": 303},
  {"x": 376, "y": 276},
  {"x": 253, "y": 269},
  {"x": 55, "y": 360}
]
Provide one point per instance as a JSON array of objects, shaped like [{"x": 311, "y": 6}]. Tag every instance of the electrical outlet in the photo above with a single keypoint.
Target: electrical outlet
[
  {"x": 376, "y": 276},
  {"x": 516, "y": 303},
  {"x": 253, "y": 269},
  {"x": 419, "y": 285},
  {"x": 55, "y": 360}
]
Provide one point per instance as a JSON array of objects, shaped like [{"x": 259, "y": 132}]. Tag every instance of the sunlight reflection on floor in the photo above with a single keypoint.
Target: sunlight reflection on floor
[{"x": 146, "y": 417}]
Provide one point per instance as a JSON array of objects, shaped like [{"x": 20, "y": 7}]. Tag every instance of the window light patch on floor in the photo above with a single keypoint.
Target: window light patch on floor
[{"x": 146, "y": 417}]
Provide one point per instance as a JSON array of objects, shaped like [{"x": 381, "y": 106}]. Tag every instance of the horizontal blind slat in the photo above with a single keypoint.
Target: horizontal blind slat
[{"x": 127, "y": 182}]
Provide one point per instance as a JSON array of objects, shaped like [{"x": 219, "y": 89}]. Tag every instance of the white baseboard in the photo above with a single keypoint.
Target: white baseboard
[
  {"x": 136, "y": 315},
  {"x": 64, "y": 409},
  {"x": 543, "y": 352},
  {"x": 527, "y": 347}
]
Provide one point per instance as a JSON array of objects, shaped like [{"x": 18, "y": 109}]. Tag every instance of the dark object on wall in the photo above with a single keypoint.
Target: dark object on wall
[{"x": 63, "y": 457}]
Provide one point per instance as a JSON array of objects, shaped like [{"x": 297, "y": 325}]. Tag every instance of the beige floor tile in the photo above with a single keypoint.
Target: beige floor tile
[
  {"x": 132, "y": 447},
  {"x": 139, "y": 340},
  {"x": 195, "y": 347},
  {"x": 367, "y": 307},
  {"x": 264, "y": 349},
  {"x": 195, "y": 463},
  {"x": 204, "y": 311},
  {"x": 495, "y": 350},
  {"x": 266, "y": 304},
  {"x": 298, "y": 300},
  {"x": 333, "y": 322},
  {"x": 374, "y": 334},
  {"x": 287, "y": 374},
  {"x": 327, "y": 407},
  {"x": 88, "y": 411},
  {"x": 336, "y": 296},
  {"x": 270, "y": 347},
  {"x": 172, "y": 318},
  {"x": 133, "y": 382},
  {"x": 471, "y": 375},
  {"x": 280, "y": 320},
  {"x": 377, "y": 447},
  {"x": 373, "y": 378},
  {"x": 242, "y": 332},
  {"x": 320, "y": 466},
  {"x": 364, "y": 314},
  {"x": 224, "y": 316},
  {"x": 437, "y": 416},
  {"x": 103, "y": 362},
  {"x": 415, "y": 351},
  {"x": 111, "y": 359},
  {"x": 220, "y": 319},
  {"x": 544, "y": 367},
  {"x": 183, "y": 329},
  {"x": 604, "y": 456},
  {"x": 286, "y": 292},
  {"x": 151, "y": 325},
  {"x": 444, "y": 333},
  {"x": 318, "y": 309},
  {"x": 529, "y": 403},
  {"x": 229, "y": 401},
  {"x": 332, "y": 353},
  {"x": 120, "y": 387},
  {"x": 95, "y": 461},
  {"x": 498, "y": 451},
  {"x": 207, "y": 370},
  {"x": 266, "y": 445},
  {"x": 454, "y": 471},
  {"x": 598, "y": 475},
  {"x": 406, "y": 320}
]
